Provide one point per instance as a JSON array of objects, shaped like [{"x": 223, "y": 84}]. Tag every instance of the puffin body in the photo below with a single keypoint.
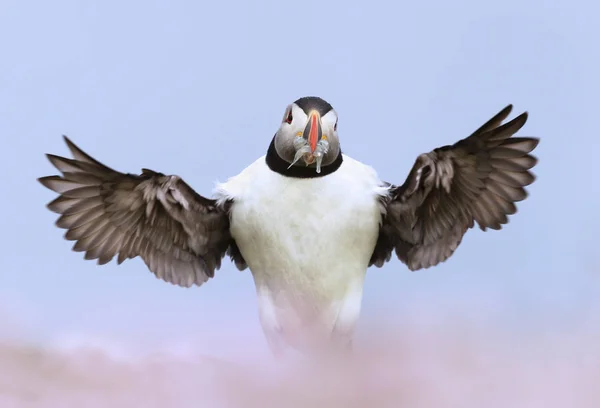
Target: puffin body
[
  {"x": 305, "y": 219},
  {"x": 308, "y": 243}
]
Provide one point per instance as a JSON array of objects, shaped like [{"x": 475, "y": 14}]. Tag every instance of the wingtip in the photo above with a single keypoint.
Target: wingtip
[
  {"x": 536, "y": 142},
  {"x": 80, "y": 155},
  {"x": 47, "y": 182},
  {"x": 505, "y": 111},
  {"x": 52, "y": 158},
  {"x": 521, "y": 120},
  {"x": 508, "y": 109},
  {"x": 535, "y": 161},
  {"x": 525, "y": 115},
  {"x": 72, "y": 146}
]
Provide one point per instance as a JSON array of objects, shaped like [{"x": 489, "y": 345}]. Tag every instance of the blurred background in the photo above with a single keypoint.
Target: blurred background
[{"x": 199, "y": 88}]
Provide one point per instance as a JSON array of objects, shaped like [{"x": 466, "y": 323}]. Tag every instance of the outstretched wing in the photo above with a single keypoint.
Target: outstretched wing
[
  {"x": 478, "y": 179},
  {"x": 181, "y": 236}
]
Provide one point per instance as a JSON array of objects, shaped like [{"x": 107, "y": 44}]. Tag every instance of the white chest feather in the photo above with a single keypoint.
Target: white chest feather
[{"x": 307, "y": 242}]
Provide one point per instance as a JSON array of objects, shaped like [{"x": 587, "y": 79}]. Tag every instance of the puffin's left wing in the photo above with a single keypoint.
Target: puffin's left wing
[
  {"x": 181, "y": 236},
  {"x": 478, "y": 179}
]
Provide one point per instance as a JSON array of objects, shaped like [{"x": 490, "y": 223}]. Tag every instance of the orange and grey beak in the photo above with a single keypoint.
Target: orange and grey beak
[{"x": 313, "y": 130}]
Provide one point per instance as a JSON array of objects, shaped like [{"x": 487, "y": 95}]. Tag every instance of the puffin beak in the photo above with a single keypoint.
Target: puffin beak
[{"x": 313, "y": 130}]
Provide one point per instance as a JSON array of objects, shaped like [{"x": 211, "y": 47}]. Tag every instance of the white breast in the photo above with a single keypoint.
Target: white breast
[{"x": 307, "y": 242}]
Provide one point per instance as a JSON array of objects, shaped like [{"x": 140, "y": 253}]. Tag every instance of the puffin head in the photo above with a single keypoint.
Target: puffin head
[{"x": 308, "y": 134}]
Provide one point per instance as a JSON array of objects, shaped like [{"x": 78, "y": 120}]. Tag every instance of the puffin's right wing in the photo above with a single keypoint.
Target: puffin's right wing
[
  {"x": 181, "y": 236},
  {"x": 478, "y": 179}
]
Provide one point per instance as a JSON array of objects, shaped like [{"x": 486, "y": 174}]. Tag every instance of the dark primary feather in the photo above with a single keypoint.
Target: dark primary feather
[
  {"x": 478, "y": 179},
  {"x": 181, "y": 236}
]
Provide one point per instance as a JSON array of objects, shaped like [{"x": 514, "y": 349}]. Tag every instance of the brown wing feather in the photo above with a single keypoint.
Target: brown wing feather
[
  {"x": 181, "y": 236},
  {"x": 478, "y": 179}
]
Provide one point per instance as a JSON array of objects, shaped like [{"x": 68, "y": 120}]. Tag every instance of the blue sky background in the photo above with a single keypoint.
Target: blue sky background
[{"x": 198, "y": 89}]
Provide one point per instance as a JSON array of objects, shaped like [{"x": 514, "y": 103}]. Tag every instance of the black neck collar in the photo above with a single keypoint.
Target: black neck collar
[{"x": 278, "y": 165}]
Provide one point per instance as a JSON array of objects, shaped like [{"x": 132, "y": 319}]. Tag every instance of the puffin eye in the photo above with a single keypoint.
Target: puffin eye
[
  {"x": 289, "y": 117},
  {"x": 335, "y": 126}
]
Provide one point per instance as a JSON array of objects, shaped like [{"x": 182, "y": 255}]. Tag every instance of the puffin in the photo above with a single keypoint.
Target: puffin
[{"x": 305, "y": 219}]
